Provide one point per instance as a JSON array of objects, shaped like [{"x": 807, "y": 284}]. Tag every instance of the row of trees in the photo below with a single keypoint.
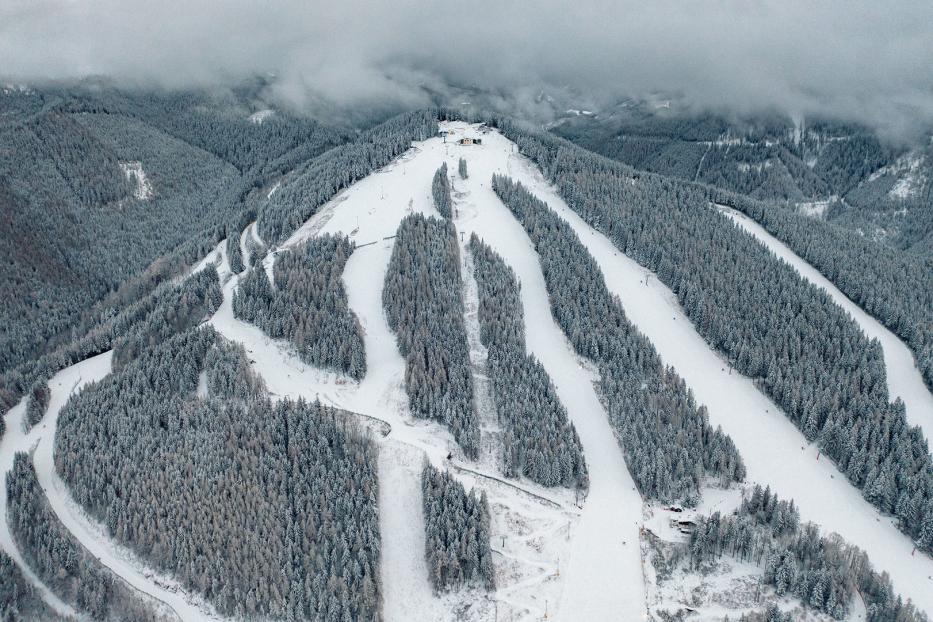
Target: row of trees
[
  {"x": 183, "y": 307},
  {"x": 318, "y": 180},
  {"x": 803, "y": 350},
  {"x": 37, "y": 402},
  {"x": 539, "y": 441},
  {"x": 892, "y": 285},
  {"x": 456, "y": 534},
  {"x": 822, "y": 572},
  {"x": 462, "y": 168},
  {"x": 267, "y": 509},
  {"x": 666, "y": 438},
  {"x": 69, "y": 570},
  {"x": 307, "y": 304},
  {"x": 423, "y": 304},
  {"x": 440, "y": 190}
]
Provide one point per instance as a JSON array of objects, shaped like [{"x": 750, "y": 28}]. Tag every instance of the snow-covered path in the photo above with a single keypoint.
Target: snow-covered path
[
  {"x": 604, "y": 579},
  {"x": 406, "y": 591},
  {"x": 14, "y": 440},
  {"x": 92, "y": 535},
  {"x": 904, "y": 379},
  {"x": 775, "y": 452},
  {"x": 369, "y": 212}
]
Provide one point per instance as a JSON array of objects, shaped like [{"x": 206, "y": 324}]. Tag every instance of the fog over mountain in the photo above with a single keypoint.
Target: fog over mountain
[{"x": 862, "y": 60}]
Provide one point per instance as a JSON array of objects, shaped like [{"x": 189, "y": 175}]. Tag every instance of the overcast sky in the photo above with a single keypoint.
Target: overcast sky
[{"x": 871, "y": 61}]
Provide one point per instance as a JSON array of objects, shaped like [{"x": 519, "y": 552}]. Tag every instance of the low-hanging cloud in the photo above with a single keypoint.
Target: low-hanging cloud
[{"x": 861, "y": 60}]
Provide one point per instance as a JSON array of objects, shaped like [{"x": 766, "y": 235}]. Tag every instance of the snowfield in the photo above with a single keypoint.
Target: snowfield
[{"x": 133, "y": 171}]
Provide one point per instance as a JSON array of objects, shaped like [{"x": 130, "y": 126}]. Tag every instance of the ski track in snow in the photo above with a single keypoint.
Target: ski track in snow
[
  {"x": 774, "y": 450},
  {"x": 15, "y": 440},
  {"x": 92, "y": 535},
  {"x": 904, "y": 379},
  {"x": 604, "y": 578}
]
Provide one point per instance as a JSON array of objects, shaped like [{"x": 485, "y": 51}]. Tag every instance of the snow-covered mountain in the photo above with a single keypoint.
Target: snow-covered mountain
[{"x": 452, "y": 366}]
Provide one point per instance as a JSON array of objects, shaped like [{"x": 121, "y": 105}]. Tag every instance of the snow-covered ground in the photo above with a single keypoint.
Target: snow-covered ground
[
  {"x": 774, "y": 451},
  {"x": 904, "y": 379},
  {"x": 490, "y": 430},
  {"x": 93, "y": 535},
  {"x": 134, "y": 172},
  {"x": 814, "y": 209},
  {"x": 908, "y": 174},
  {"x": 603, "y": 574},
  {"x": 261, "y": 115},
  {"x": 15, "y": 440}
]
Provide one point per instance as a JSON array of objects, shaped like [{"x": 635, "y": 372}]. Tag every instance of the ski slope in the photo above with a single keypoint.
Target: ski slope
[
  {"x": 15, "y": 440},
  {"x": 529, "y": 569},
  {"x": 603, "y": 574},
  {"x": 904, "y": 379},
  {"x": 774, "y": 451}
]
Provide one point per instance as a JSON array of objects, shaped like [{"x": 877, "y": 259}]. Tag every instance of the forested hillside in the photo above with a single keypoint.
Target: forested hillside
[
  {"x": 666, "y": 437},
  {"x": 222, "y": 491},
  {"x": 841, "y": 172},
  {"x": 773, "y": 326},
  {"x": 79, "y": 163},
  {"x": 159, "y": 453}
]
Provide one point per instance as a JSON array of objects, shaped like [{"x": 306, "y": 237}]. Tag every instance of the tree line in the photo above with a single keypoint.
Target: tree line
[
  {"x": 456, "y": 533},
  {"x": 668, "y": 443},
  {"x": 440, "y": 190},
  {"x": 424, "y": 307},
  {"x": 539, "y": 441},
  {"x": 268, "y": 510},
  {"x": 307, "y": 304}
]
